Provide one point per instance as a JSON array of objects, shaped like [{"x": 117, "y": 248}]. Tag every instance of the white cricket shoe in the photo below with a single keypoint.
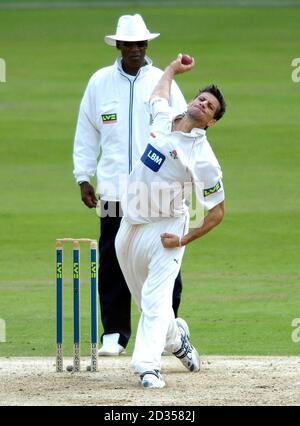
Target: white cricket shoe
[
  {"x": 110, "y": 345},
  {"x": 152, "y": 380},
  {"x": 182, "y": 323},
  {"x": 187, "y": 354}
]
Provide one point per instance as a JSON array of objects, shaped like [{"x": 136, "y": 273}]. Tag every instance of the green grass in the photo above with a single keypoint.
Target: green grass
[
  {"x": 241, "y": 282},
  {"x": 170, "y": 3}
]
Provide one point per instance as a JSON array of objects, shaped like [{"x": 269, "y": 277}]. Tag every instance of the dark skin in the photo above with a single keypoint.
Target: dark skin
[
  {"x": 88, "y": 195},
  {"x": 133, "y": 55},
  {"x": 133, "y": 58}
]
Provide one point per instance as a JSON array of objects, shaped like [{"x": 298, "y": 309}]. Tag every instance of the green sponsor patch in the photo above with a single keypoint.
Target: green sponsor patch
[
  {"x": 212, "y": 190},
  {"x": 109, "y": 118}
]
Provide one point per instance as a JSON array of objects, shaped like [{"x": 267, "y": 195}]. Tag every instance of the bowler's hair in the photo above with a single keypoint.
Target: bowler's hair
[{"x": 215, "y": 91}]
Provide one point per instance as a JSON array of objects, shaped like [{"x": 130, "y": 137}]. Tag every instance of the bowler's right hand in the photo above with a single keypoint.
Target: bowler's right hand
[
  {"x": 88, "y": 195},
  {"x": 178, "y": 67}
]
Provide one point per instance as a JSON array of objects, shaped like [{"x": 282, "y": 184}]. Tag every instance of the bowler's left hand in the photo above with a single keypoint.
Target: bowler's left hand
[{"x": 170, "y": 240}]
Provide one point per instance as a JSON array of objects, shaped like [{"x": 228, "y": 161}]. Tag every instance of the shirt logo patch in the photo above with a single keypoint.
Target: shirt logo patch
[
  {"x": 174, "y": 154},
  {"x": 109, "y": 118},
  {"x": 153, "y": 158},
  {"x": 212, "y": 190}
]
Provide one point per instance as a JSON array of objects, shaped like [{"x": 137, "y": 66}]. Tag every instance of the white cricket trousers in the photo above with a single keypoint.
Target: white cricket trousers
[{"x": 150, "y": 271}]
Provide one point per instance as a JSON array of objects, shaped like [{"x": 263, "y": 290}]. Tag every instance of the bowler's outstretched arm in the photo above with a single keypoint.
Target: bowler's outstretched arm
[{"x": 163, "y": 87}]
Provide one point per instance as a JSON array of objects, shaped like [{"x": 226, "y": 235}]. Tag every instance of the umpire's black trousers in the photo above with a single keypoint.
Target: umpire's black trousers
[{"x": 115, "y": 298}]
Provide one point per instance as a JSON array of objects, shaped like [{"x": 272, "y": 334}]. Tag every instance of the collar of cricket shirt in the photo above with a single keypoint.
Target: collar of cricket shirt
[
  {"x": 142, "y": 70},
  {"x": 197, "y": 132},
  {"x": 194, "y": 133}
]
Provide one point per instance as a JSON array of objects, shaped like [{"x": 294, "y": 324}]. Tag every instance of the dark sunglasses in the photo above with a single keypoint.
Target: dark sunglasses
[{"x": 135, "y": 43}]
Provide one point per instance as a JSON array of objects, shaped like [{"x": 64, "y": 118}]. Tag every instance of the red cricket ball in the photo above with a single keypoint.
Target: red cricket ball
[{"x": 186, "y": 60}]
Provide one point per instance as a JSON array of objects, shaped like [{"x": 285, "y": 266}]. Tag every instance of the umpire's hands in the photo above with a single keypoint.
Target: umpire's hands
[{"x": 88, "y": 195}]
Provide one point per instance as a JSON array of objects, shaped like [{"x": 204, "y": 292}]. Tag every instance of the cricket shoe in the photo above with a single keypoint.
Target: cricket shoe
[
  {"x": 166, "y": 352},
  {"x": 187, "y": 354},
  {"x": 152, "y": 380},
  {"x": 110, "y": 345}
]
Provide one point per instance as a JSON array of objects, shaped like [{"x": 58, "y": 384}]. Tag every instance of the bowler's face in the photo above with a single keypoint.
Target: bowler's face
[
  {"x": 133, "y": 53},
  {"x": 204, "y": 108}
]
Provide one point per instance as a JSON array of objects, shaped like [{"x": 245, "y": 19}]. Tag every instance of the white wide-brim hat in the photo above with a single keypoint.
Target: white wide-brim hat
[{"x": 130, "y": 28}]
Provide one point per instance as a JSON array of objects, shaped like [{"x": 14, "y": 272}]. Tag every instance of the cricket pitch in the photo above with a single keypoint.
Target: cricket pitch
[{"x": 222, "y": 381}]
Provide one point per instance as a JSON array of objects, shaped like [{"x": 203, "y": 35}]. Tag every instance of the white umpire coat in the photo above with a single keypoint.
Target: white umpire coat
[{"x": 114, "y": 125}]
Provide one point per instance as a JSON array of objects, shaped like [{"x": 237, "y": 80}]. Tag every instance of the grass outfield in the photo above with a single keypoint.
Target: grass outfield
[
  {"x": 128, "y": 3},
  {"x": 242, "y": 280}
]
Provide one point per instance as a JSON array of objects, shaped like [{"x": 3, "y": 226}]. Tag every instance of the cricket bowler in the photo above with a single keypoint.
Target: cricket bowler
[{"x": 155, "y": 228}]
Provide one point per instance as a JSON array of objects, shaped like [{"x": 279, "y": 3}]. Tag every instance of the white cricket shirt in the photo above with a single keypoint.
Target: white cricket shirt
[{"x": 173, "y": 165}]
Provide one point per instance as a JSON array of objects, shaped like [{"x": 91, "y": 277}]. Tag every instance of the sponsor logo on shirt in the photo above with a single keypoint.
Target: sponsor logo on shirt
[
  {"x": 212, "y": 190},
  {"x": 152, "y": 158},
  {"x": 109, "y": 118}
]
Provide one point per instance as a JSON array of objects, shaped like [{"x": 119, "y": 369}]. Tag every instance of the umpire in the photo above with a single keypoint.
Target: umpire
[{"x": 112, "y": 131}]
